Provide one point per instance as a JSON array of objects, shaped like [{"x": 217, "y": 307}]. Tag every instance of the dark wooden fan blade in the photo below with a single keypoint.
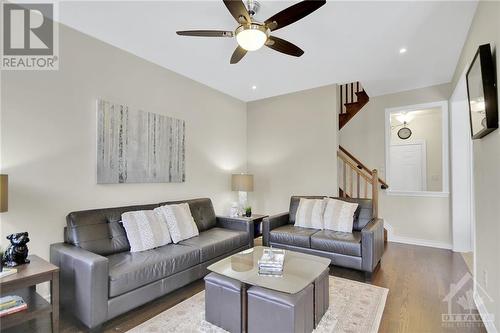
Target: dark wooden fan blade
[
  {"x": 238, "y": 54},
  {"x": 238, "y": 10},
  {"x": 293, "y": 14},
  {"x": 206, "y": 33},
  {"x": 284, "y": 46}
]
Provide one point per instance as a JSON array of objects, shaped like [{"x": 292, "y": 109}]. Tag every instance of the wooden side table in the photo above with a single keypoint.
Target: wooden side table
[
  {"x": 23, "y": 284},
  {"x": 257, "y": 220}
]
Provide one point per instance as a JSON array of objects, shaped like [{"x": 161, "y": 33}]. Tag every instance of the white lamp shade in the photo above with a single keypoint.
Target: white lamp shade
[{"x": 242, "y": 182}]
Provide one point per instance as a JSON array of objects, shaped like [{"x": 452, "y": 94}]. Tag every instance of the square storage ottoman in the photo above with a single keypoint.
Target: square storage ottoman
[
  {"x": 274, "y": 311},
  {"x": 225, "y": 302},
  {"x": 321, "y": 296}
]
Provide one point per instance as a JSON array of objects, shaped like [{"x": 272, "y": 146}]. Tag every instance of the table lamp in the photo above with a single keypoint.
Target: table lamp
[
  {"x": 242, "y": 183},
  {"x": 4, "y": 193}
]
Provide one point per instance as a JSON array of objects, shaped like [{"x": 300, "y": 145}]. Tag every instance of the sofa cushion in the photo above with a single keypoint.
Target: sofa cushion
[
  {"x": 346, "y": 243},
  {"x": 202, "y": 211},
  {"x": 362, "y": 216},
  {"x": 310, "y": 213},
  {"x": 179, "y": 220},
  {"x": 128, "y": 271},
  {"x": 364, "y": 213},
  {"x": 292, "y": 235},
  {"x": 216, "y": 242},
  {"x": 99, "y": 230},
  {"x": 146, "y": 230},
  {"x": 339, "y": 215}
]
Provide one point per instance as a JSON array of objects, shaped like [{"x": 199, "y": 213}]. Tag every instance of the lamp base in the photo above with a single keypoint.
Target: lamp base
[{"x": 242, "y": 196}]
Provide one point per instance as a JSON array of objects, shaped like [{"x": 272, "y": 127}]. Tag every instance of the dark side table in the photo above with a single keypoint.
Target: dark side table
[
  {"x": 23, "y": 284},
  {"x": 257, "y": 221}
]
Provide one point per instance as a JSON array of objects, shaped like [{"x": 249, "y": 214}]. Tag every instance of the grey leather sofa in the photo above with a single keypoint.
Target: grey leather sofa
[
  {"x": 362, "y": 249},
  {"x": 101, "y": 279}
]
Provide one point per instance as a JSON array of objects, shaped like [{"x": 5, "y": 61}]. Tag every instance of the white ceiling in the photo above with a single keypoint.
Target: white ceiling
[{"x": 343, "y": 42}]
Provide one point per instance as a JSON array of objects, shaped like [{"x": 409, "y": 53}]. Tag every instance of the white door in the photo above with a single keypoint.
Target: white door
[{"x": 407, "y": 167}]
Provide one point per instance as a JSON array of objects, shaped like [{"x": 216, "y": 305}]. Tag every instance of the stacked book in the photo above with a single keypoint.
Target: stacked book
[
  {"x": 11, "y": 304},
  {"x": 271, "y": 262},
  {"x": 7, "y": 271}
]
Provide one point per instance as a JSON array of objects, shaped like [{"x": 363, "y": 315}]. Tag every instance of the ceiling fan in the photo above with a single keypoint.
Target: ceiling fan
[{"x": 251, "y": 35}]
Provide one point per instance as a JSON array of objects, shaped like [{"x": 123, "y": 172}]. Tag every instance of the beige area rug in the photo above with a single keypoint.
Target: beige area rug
[{"x": 354, "y": 307}]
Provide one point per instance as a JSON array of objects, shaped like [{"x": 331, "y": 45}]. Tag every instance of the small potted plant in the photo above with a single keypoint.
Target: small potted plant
[{"x": 248, "y": 211}]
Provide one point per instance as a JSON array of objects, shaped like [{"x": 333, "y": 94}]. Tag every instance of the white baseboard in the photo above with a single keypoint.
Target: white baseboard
[
  {"x": 414, "y": 241},
  {"x": 483, "y": 312},
  {"x": 420, "y": 242}
]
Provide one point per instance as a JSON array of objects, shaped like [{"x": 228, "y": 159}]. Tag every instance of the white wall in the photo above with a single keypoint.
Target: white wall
[
  {"x": 461, "y": 170},
  {"x": 486, "y": 29},
  {"x": 292, "y": 146},
  {"x": 423, "y": 220},
  {"x": 48, "y": 132}
]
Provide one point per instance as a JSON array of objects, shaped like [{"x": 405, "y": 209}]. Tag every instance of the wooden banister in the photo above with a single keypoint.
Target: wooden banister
[
  {"x": 361, "y": 166},
  {"x": 351, "y": 179},
  {"x": 367, "y": 177}
]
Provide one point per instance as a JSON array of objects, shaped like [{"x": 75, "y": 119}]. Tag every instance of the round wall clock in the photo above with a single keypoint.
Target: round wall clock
[{"x": 404, "y": 133}]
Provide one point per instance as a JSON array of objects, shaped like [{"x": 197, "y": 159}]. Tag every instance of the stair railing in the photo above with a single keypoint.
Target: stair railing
[
  {"x": 348, "y": 94},
  {"x": 360, "y": 165},
  {"x": 357, "y": 181}
]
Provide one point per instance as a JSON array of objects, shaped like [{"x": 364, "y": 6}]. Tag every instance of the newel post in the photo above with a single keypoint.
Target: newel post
[{"x": 375, "y": 193}]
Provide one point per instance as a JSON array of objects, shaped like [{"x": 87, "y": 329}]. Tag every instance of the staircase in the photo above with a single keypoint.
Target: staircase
[
  {"x": 355, "y": 179},
  {"x": 352, "y": 99}
]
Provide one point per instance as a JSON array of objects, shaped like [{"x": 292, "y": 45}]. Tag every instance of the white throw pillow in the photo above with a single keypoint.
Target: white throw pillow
[
  {"x": 310, "y": 213},
  {"x": 179, "y": 220},
  {"x": 339, "y": 215},
  {"x": 145, "y": 230}
]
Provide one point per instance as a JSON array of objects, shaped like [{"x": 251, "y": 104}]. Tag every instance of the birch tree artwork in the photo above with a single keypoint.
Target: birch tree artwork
[{"x": 135, "y": 146}]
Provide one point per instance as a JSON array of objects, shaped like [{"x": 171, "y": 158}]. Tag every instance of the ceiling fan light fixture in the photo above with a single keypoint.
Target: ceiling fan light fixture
[{"x": 252, "y": 37}]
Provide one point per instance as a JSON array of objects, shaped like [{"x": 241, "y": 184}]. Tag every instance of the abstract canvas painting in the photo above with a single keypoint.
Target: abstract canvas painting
[{"x": 135, "y": 146}]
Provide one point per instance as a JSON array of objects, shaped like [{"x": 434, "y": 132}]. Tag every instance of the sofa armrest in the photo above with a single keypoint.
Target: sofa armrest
[
  {"x": 372, "y": 244},
  {"x": 272, "y": 222},
  {"x": 237, "y": 224},
  {"x": 84, "y": 282}
]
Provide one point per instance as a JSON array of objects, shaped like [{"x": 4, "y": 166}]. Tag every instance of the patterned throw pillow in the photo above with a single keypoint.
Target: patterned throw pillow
[
  {"x": 310, "y": 213},
  {"x": 145, "y": 230},
  {"x": 339, "y": 215},
  {"x": 180, "y": 222}
]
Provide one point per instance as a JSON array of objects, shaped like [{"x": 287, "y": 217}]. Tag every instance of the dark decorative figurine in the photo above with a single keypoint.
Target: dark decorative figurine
[{"x": 17, "y": 252}]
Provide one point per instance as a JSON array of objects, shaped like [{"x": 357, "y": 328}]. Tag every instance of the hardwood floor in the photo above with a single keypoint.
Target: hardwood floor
[{"x": 418, "y": 279}]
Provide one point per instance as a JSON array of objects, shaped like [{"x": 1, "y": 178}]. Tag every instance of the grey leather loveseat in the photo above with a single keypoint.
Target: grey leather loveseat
[
  {"x": 100, "y": 278},
  {"x": 362, "y": 249}
]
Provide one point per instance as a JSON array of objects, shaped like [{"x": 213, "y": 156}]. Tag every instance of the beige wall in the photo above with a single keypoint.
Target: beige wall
[
  {"x": 426, "y": 125},
  {"x": 292, "y": 145},
  {"x": 486, "y": 29},
  {"x": 420, "y": 219},
  {"x": 48, "y": 132}
]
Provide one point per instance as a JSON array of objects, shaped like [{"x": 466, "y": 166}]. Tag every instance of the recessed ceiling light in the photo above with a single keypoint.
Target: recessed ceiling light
[
  {"x": 403, "y": 50},
  {"x": 254, "y": 87}
]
